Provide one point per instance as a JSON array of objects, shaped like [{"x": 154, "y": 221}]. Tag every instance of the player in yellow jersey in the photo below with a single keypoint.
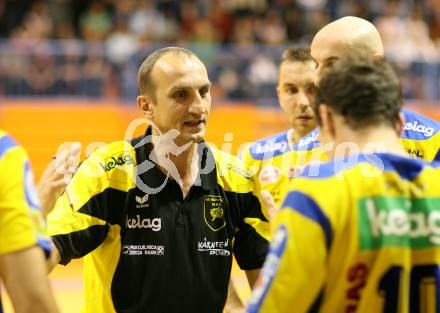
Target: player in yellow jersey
[
  {"x": 274, "y": 159},
  {"x": 22, "y": 234},
  {"x": 363, "y": 235}
]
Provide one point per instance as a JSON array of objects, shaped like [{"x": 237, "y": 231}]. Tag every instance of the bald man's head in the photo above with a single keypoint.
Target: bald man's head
[{"x": 345, "y": 36}]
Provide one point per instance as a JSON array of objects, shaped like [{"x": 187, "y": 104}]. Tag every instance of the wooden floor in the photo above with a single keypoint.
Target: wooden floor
[{"x": 67, "y": 285}]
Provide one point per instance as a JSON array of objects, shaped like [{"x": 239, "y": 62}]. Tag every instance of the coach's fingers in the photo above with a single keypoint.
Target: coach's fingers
[
  {"x": 57, "y": 175},
  {"x": 72, "y": 161},
  {"x": 269, "y": 202}
]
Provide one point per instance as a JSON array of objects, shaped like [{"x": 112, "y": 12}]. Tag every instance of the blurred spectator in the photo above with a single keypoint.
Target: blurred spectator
[
  {"x": 221, "y": 20},
  {"x": 271, "y": 29},
  {"x": 96, "y": 22},
  {"x": 247, "y": 6},
  {"x": 238, "y": 40},
  {"x": 263, "y": 75},
  {"x": 189, "y": 16},
  {"x": 65, "y": 31},
  {"x": 406, "y": 39},
  {"x": 96, "y": 76},
  {"x": 37, "y": 23},
  {"x": 41, "y": 74},
  {"x": 294, "y": 23},
  {"x": 244, "y": 31},
  {"x": 121, "y": 44}
]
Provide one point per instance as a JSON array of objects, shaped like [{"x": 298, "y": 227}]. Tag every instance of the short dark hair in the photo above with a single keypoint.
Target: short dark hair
[
  {"x": 300, "y": 54},
  {"x": 145, "y": 82},
  {"x": 362, "y": 88}
]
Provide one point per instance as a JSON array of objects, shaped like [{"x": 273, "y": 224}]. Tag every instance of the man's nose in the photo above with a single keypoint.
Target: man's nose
[
  {"x": 198, "y": 106},
  {"x": 303, "y": 100}
]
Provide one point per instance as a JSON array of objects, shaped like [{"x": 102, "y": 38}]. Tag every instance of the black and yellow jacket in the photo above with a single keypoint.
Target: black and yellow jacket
[{"x": 145, "y": 247}]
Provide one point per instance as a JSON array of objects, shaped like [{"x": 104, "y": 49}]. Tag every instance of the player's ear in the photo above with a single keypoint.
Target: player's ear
[
  {"x": 145, "y": 104},
  {"x": 400, "y": 123},
  {"x": 327, "y": 120}
]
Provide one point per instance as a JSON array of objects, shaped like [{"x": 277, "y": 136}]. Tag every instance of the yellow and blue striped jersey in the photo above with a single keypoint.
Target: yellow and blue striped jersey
[
  {"x": 421, "y": 136},
  {"x": 273, "y": 161},
  {"x": 361, "y": 236},
  {"x": 21, "y": 223}
]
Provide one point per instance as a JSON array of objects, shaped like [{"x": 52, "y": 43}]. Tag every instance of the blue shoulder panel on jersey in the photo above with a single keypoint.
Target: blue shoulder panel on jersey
[
  {"x": 305, "y": 205},
  {"x": 308, "y": 142},
  {"x": 270, "y": 147},
  {"x": 6, "y": 143},
  {"x": 418, "y": 127},
  {"x": 407, "y": 168}
]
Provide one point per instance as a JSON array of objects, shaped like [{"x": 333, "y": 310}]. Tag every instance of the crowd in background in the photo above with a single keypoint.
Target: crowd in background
[{"x": 93, "y": 48}]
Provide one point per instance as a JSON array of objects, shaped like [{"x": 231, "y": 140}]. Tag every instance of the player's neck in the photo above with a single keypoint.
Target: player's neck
[
  {"x": 370, "y": 140},
  {"x": 295, "y": 136}
]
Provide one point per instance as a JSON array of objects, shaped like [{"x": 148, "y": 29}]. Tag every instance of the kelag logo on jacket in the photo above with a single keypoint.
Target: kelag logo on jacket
[
  {"x": 214, "y": 212},
  {"x": 122, "y": 160}
]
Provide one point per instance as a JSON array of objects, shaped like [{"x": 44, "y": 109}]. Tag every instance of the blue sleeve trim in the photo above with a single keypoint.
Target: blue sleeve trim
[
  {"x": 270, "y": 269},
  {"x": 30, "y": 191},
  {"x": 6, "y": 143},
  {"x": 306, "y": 206},
  {"x": 45, "y": 245}
]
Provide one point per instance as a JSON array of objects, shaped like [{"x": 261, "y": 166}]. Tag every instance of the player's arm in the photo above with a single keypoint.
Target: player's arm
[
  {"x": 25, "y": 278},
  {"x": 295, "y": 269},
  {"x": 22, "y": 234},
  {"x": 233, "y": 301},
  {"x": 252, "y": 276},
  {"x": 234, "y": 304}
]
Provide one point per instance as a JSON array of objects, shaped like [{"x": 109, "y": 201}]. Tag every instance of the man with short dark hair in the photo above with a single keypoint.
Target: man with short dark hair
[
  {"x": 362, "y": 235},
  {"x": 273, "y": 160},
  {"x": 158, "y": 218}
]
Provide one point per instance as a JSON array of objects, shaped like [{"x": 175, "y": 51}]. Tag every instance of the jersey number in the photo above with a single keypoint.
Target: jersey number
[{"x": 423, "y": 293}]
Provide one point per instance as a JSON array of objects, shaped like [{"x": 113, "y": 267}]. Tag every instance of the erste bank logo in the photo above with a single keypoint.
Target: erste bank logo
[{"x": 143, "y": 250}]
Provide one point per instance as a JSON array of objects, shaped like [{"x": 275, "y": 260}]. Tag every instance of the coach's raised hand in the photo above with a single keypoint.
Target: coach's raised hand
[{"x": 57, "y": 176}]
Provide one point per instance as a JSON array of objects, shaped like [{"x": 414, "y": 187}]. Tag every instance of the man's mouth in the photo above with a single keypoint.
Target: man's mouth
[
  {"x": 304, "y": 117},
  {"x": 194, "y": 123}
]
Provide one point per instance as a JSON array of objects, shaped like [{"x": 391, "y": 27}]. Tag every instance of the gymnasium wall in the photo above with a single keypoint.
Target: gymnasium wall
[{"x": 42, "y": 126}]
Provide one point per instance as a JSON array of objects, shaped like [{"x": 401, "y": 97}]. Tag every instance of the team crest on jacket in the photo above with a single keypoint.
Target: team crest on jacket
[{"x": 214, "y": 212}]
